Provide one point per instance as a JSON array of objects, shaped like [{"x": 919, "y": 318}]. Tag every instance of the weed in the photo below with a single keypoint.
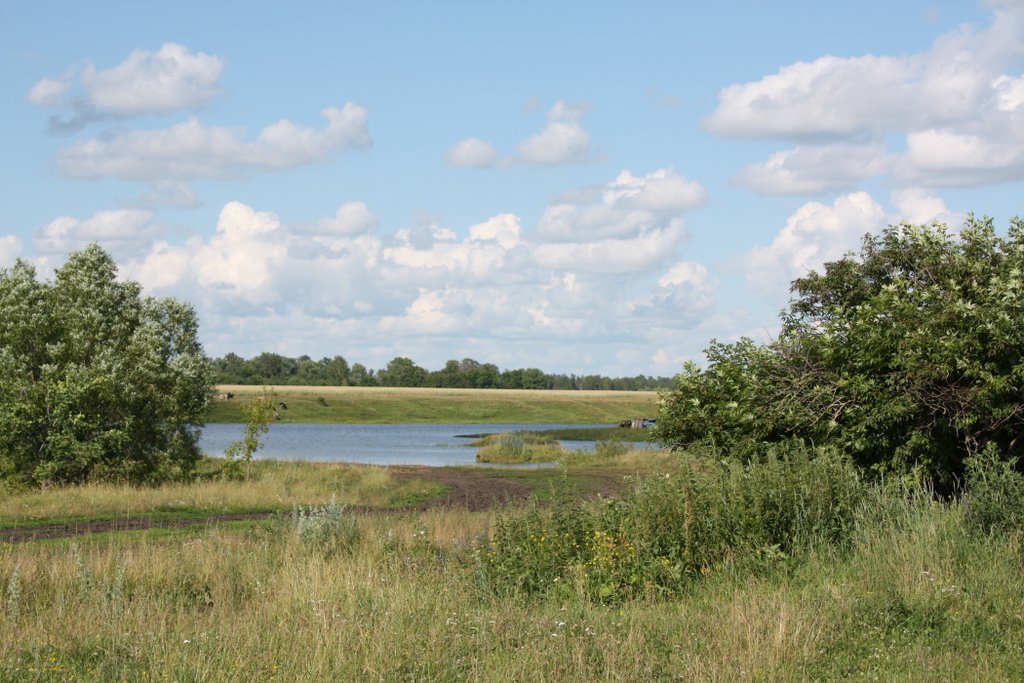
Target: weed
[
  {"x": 14, "y": 594},
  {"x": 327, "y": 528},
  {"x": 994, "y": 499}
]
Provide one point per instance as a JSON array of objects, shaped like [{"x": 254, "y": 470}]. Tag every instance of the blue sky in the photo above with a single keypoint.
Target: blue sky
[{"x": 581, "y": 186}]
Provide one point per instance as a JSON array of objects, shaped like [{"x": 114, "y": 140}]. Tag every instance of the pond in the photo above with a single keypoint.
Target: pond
[{"x": 376, "y": 444}]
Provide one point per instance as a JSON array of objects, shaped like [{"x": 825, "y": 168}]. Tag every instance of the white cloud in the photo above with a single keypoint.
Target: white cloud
[
  {"x": 121, "y": 232},
  {"x": 427, "y": 314},
  {"x": 684, "y": 294},
  {"x": 503, "y": 229},
  {"x": 662, "y": 191},
  {"x": 458, "y": 291},
  {"x": 815, "y": 234},
  {"x": 480, "y": 257},
  {"x": 193, "y": 150},
  {"x": 627, "y": 206},
  {"x": 148, "y": 82},
  {"x": 969, "y": 156},
  {"x": 241, "y": 258},
  {"x": 1008, "y": 92},
  {"x": 816, "y": 168},
  {"x": 352, "y": 218},
  {"x": 167, "y": 80},
  {"x": 613, "y": 255},
  {"x": 10, "y": 250},
  {"x": 472, "y": 152},
  {"x": 918, "y": 206},
  {"x": 48, "y": 93},
  {"x": 562, "y": 141},
  {"x": 960, "y": 110}
]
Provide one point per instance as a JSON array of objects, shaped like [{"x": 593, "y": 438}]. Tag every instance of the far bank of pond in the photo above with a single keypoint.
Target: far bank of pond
[{"x": 374, "y": 444}]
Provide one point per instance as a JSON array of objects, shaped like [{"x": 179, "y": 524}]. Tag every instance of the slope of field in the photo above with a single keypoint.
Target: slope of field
[{"x": 367, "y": 405}]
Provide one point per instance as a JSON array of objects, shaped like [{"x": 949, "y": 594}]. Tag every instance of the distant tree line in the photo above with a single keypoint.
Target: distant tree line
[{"x": 275, "y": 369}]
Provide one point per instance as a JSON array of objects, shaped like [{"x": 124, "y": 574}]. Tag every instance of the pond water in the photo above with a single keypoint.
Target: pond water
[{"x": 375, "y": 444}]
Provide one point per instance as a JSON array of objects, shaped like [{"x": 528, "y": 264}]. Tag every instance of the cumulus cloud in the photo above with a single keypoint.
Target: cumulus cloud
[
  {"x": 10, "y": 250},
  {"x": 122, "y": 232},
  {"x": 146, "y": 82},
  {"x": 562, "y": 141},
  {"x": 810, "y": 169},
  {"x": 683, "y": 295},
  {"x": 285, "y": 286},
  {"x": 919, "y": 206},
  {"x": 48, "y": 92},
  {"x": 968, "y": 156},
  {"x": 627, "y": 206},
  {"x": 352, "y": 218},
  {"x": 167, "y": 80},
  {"x": 614, "y": 255},
  {"x": 472, "y": 152},
  {"x": 815, "y": 234},
  {"x": 193, "y": 150},
  {"x": 961, "y": 112}
]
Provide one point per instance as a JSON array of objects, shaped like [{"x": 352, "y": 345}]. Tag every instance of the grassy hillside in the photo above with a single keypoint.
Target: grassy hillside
[{"x": 368, "y": 405}]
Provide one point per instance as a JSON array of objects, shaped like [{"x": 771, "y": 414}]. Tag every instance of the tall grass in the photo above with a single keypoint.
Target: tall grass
[
  {"x": 868, "y": 581},
  {"x": 686, "y": 522},
  {"x": 276, "y": 486},
  {"x": 518, "y": 447}
]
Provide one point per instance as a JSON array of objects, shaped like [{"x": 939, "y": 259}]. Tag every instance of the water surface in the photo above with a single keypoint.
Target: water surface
[{"x": 375, "y": 444}]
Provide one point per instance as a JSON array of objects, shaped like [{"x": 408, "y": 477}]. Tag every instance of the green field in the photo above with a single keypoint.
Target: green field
[{"x": 368, "y": 405}]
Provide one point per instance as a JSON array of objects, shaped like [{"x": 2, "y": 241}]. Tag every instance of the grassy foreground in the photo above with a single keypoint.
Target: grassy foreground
[
  {"x": 912, "y": 591},
  {"x": 369, "y": 405}
]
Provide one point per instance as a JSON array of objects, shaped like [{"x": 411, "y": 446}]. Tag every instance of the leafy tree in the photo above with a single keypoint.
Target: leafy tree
[
  {"x": 402, "y": 372},
  {"x": 907, "y": 354},
  {"x": 96, "y": 381},
  {"x": 259, "y": 411},
  {"x": 360, "y": 376}
]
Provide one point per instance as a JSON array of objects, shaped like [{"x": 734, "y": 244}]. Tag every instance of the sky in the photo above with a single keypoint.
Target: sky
[{"x": 583, "y": 187}]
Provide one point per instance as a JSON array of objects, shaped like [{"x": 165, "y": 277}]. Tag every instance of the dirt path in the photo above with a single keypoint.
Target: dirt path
[{"x": 466, "y": 489}]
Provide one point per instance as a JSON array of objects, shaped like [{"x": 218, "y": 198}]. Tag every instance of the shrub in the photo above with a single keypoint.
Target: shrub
[
  {"x": 676, "y": 526},
  {"x": 327, "y": 528},
  {"x": 994, "y": 497}
]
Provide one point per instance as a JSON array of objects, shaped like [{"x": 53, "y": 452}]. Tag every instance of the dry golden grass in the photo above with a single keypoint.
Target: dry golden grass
[{"x": 279, "y": 485}]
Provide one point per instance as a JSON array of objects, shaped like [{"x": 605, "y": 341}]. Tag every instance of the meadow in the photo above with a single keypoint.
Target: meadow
[
  {"x": 792, "y": 568},
  {"x": 372, "y": 405}
]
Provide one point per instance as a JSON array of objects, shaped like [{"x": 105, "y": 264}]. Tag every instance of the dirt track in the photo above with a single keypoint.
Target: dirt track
[{"x": 466, "y": 489}]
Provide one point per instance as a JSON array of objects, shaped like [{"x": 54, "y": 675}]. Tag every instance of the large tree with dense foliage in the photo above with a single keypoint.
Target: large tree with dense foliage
[
  {"x": 907, "y": 354},
  {"x": 97, "y": 382}
]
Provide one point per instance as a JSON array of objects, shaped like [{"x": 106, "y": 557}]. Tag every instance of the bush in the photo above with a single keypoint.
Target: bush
[
  {"x": 706, "y": 515},
  {"x": 327, "y": 528},
  {"x": 994, "y": 496},
  {"x": 905, "y": 356}
]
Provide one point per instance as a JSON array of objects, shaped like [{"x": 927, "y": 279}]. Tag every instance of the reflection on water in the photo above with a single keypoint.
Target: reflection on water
[{"x": 378, "y": 444}]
